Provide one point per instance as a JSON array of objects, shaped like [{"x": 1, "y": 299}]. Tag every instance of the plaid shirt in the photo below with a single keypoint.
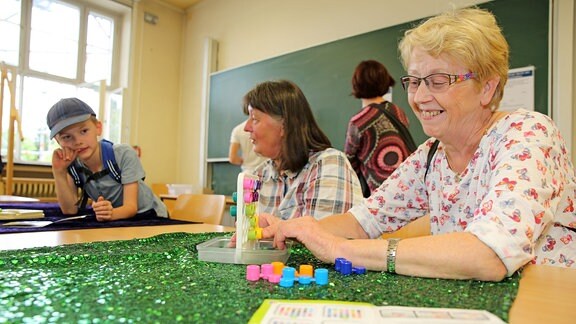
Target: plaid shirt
[{"x": 326, "y": 185}]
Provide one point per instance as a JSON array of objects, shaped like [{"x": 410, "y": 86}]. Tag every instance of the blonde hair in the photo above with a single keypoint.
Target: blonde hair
[{"x": 470, "y": 36}]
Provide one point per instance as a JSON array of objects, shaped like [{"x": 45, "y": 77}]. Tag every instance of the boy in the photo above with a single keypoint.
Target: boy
[{"x": 116, "y": 187}]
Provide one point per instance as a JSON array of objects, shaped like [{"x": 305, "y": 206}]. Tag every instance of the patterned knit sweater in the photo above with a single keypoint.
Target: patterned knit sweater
[{"x": 373, "y": 145}]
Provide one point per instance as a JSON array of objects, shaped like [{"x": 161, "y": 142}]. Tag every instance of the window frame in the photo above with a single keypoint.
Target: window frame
[
  {"x": 85, "y": 7},
  {"x": 118, "y": 13}
]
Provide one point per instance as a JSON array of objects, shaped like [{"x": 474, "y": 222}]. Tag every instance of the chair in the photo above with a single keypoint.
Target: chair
[
  {"x": 159, "y": 189},
  {"x": 199, "y": 208}
]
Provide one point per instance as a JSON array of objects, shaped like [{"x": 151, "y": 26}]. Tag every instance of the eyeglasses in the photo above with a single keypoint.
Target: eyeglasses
[{"x": 435, "y": 82}]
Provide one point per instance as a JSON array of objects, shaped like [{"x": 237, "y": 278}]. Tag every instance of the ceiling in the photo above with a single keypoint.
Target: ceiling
[{"x": 182, "y": 4}]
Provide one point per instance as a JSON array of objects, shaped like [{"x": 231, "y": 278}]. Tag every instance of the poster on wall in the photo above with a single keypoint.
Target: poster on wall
[{"x": 519, "y": 90}]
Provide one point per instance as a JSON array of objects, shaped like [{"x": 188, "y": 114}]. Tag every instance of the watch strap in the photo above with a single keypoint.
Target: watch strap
[{"x": 391, "y": 255}]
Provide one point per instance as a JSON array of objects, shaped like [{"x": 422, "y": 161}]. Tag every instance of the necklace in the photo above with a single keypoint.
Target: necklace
[
  {"x": 457, "y": 178},
  {"x": 491, "y": 121},
  {"x": 457, "y": 175}
]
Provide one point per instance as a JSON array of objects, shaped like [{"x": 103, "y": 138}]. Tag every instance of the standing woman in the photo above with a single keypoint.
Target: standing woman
[
  {"x": 304, "y": 174},
  {"x": 373, "y": 145}
]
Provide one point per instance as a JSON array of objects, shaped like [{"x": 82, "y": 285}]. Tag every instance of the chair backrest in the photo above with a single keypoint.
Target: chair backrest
[
  {"x": 159, "y": 189},
  {"x": 199, "y": 208}
]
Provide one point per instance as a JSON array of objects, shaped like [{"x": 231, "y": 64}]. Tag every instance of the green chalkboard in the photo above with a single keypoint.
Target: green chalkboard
[{"x": 324, "y": 72}]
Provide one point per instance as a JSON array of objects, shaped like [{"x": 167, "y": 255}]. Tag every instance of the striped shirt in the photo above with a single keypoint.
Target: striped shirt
[{"x": 326, "y": 185}]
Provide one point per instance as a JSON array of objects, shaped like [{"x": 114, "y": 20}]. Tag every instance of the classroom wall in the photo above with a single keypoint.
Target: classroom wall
[
  {"x": 164, "y": 106},
  {"x": 252, "y": 30},
  {"x": 154, "y": 88}
]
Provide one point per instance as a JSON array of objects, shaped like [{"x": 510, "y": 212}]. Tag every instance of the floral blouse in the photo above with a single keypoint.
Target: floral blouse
[{"x": 517, "y": 194}]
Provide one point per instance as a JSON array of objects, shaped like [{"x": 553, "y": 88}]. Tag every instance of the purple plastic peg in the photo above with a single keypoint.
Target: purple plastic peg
[
  {"x": 338, "y": 264},
  {"x": 346, "y": 268}
]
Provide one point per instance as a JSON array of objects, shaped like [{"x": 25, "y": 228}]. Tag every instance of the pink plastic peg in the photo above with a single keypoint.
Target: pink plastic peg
[
  {"x": 253, "y": 272},
  {"x": 274, "y": 278},
  {"x": 267, "y": 270}
]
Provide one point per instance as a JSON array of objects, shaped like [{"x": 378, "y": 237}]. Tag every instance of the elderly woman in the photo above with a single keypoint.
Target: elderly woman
[
  {"x": 304, "y": 174},
  {"x": 499, "y": 187}
]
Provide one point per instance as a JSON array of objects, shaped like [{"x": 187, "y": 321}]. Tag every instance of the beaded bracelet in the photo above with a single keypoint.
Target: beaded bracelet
[{"x": 391, "y": 255}]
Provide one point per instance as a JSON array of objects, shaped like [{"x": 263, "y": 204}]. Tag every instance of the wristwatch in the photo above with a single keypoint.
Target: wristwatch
[{"x": 391, "y": 255}]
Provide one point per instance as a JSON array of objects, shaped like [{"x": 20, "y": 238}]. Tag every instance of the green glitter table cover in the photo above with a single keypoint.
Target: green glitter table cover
[{"x": 160, "y": 279}]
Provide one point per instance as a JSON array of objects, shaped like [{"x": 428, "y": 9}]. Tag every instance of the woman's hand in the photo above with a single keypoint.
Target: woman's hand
[
  {"x": 264, "y": 221},
  {"x": 269, "y": 224},
  {"x": 103, "y": 209},
  {"x": 309, "y": 232}
]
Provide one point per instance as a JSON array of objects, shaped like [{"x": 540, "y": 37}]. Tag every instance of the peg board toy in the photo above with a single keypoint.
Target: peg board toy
[{"x": 250, "y": 248}]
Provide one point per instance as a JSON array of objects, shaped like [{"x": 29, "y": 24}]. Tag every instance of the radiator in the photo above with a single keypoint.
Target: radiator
[{"x": 40, "y": 188}]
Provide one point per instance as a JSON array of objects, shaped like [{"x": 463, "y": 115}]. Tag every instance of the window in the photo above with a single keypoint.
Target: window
[
  {"x": 59, "y": 49},
  {"x": 54, "y": 38},
  {"x": 9, "y": 31}
]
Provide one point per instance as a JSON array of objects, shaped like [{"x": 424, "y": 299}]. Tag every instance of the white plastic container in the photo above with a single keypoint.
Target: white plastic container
[
  {"x": 250, "y": 248},
  {"x": 179, "y": 189},
  {"x": 218, "y": 250}
]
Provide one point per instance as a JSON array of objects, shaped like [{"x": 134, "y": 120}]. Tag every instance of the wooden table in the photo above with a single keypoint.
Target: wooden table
[
  {"x": 168, "y": 197},
  {"x": 164, "y": 197},
  {"x": 169, "y": 201},
  {"x": 16, "y": 199},
  {"x": 546, "y": 295},
  {"x": 14, "y": 241}
]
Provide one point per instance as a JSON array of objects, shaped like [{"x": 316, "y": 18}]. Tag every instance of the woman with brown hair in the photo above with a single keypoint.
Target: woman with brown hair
[{"x": 304, "y": 174}]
